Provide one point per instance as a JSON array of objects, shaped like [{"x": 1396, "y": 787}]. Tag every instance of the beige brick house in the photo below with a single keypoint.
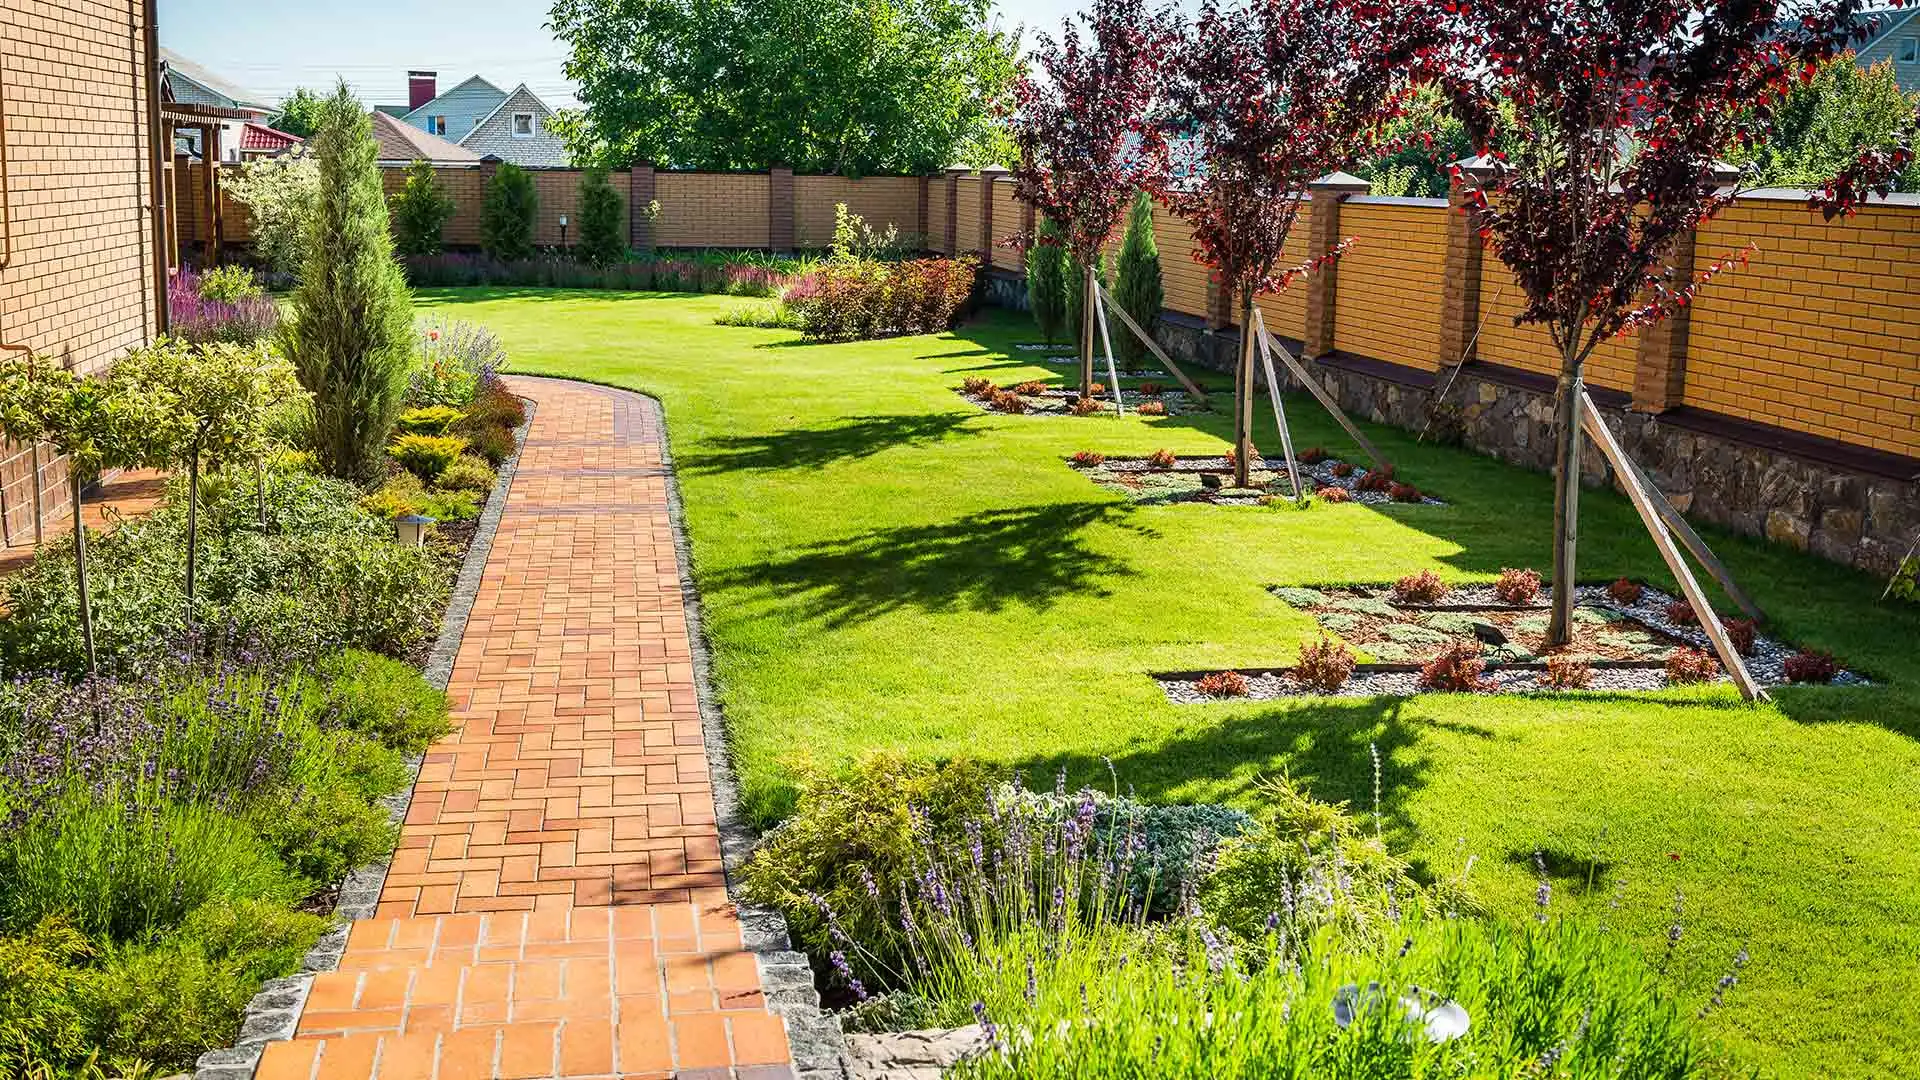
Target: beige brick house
[{"x": 79, "y": 279}]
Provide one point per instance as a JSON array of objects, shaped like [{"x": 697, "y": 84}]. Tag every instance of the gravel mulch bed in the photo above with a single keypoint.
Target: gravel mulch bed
[
  {"x": 1208, "y": 480},
  {"x": 1625, "y": 644},
  {"x": 1059, "y": 402}
]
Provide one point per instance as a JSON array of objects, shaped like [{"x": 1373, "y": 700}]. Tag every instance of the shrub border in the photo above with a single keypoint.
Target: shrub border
[{"x": 274, "y": 1013}]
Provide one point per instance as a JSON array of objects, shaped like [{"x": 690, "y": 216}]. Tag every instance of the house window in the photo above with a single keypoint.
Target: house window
[
  {"x": 523, "y": 125},
  {"x": 1910, "y": 50},
  {"x": 437, "y": 125}
]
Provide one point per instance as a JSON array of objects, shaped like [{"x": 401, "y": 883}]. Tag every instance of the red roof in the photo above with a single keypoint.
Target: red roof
[{"x": 260, "y": 137}]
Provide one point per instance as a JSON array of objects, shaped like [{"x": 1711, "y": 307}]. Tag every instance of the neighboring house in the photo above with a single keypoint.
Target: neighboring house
[
  {"x": 401, "y": 144},
  {"x": 183, "y": 81},
  {"x": 82, "y": 277},
  {"x": 259, "y": 140},
  {"x": 510, "y": 125},
  {"x": 1895, "y": 36}
]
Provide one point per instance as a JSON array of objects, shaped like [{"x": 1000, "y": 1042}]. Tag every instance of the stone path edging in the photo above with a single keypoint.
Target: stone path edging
[{"x": 273, "y": 1014}]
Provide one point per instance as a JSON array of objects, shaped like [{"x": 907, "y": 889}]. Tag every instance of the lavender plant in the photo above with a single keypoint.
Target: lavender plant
[
  {"x": 224, "y": 317},
  {"x": 456, "y": 357}
]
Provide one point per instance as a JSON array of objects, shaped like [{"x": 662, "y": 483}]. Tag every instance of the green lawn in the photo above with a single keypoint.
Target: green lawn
[{"x": 885, "y": 567}]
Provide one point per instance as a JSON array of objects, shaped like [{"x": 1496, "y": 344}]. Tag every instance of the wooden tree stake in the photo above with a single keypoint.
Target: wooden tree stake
[
  {"x": 1153, "y": 347},
  {"x": 1113, "y": 373},
  {"x": 1273, "y": 395},
  {"x": 1326, "y": 401}
]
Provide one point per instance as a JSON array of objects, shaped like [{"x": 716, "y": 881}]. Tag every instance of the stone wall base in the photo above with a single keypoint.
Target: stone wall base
[{"x": 1855, "y": 516}]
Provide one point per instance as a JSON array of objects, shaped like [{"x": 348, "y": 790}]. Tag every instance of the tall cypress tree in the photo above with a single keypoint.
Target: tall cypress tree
[
  {"x": 1137, "y": 287},
  {"x": 1047, "y": 280},
  {"x": 603, "y": 220},
  {"x": 507, "y": 214},
  {"x": 351, "y": 333}
]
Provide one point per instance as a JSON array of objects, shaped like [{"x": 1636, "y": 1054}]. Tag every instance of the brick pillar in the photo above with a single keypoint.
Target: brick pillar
[
  {"x": 1327, "y": 193},
  {"x": 989, "y": 176},
  {"x": 1219, "y": 302},
  {"x": 1460, "y": 286},
  {"x": 780, "y": 209},
  {"x": 953, "y": 210},
  {"x": 641, "y": 190},
  {"x": 1660, "y": 363}
]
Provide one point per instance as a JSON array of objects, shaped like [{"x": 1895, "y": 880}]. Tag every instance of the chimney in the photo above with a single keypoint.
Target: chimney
[{"x": 420, "y": 88}]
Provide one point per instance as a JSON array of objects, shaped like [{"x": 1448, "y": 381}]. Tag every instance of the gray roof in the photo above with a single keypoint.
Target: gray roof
[
  {"x": 403, "y": 144},
  {"x": 207, "y": 80}
]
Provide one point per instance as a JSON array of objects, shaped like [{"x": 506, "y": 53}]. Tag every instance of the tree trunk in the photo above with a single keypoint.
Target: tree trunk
[
  {"x": 80, "y": 567},
  {"x": 193, "y": 532},
  {"x": 1566, "y": 497},
  {"x": 1243, "y": 396},
  {"x": 1088, "y": 297}
]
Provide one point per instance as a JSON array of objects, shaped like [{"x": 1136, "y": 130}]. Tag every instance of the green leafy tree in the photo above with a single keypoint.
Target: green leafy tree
[
  {"x": 1047, "y": 280},
  {"x": 1821, "y": 125},
  {"x": 1077, "y": 293},
  {"x": 507, "y": 215},
  {"x": 825, "y": 86},
  {"x": 225, "y": 399},
  {"x": 97, "y": 424},
  {"x": 421, "y": 211},
  {"x": 350, "y": 336},
  {"x": 279, "y": 193},
  {"x": 603, "y": 220},
  {"x": 1137, "y": 287},
  {"x": 299, "y": 113}
]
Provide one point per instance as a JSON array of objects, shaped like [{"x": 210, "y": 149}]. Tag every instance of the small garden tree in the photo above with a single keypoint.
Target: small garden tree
[
  {"x": 1137, "y": 287},
  {"x": 350, "y": 336},
  {"x": 1080, "y": 123},
  {"x": 1614, "y": 119},
  {"x": 1820, "y": 125},
  {"x": 279, "y": 194},
  {"x": 1271, "y": 97},
  {"x": 98, "y": 424},
  {"x": 603, "y": 220},
  {"x": 223, "y": 398},
  {"x": 1047, "y": 280},
  {"x": 507, "y": 214},
  {"x": 421, "y": 211}
]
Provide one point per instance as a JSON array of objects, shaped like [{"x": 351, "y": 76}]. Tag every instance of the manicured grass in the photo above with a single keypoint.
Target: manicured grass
[{"x": 885, "y": 567}]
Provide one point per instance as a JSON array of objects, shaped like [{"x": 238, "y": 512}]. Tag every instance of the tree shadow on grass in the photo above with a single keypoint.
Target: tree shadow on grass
[
  {"x": 849, "y": 439},
  {"x": 985, "y": 562},
  {"x": 1325, "y": 745}
]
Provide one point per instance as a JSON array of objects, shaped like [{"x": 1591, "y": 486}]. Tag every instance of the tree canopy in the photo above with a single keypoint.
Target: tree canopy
[
  {"x": 825, "y": 86},
  {"x": 299, "y": 113},
  {"x": 1821, "y": 124}
]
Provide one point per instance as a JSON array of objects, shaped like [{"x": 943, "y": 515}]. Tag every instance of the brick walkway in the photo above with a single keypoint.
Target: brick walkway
[{"x": 558, "y": 907}]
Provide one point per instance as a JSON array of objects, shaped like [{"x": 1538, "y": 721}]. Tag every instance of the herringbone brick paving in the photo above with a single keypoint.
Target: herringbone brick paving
[{"x": 557, "y": 907}]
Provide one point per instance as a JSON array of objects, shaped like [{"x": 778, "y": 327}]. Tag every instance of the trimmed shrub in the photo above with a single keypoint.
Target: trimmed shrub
[
  {"x": 977, "y": 386},
  {"x": 1742, "y": 633},
  {"x": 1151, "y": 408},
  {"x": 1086, "y": 406},
  {"x": 1568, "y": 672},
  {"x": 1162, "y": 459},
  {"x": 1681, "y": 613},
  {"x": 1047, "y": 282},
  {"x": 1222, "y": 684},
  {"x": 1424, "y": 587},
  {"x": 1342, "y": 469},
  {"x": 1811, "y": 667},
  {"x": 433, "y": 420},
  {"x": 1324, "y": 664},
  {"x": 467, "y": 473},
  {"x": 1312, "y": 455},
  {"x": 508, "y": 213},
  {"x": 1625, "y": 591},
  {"x": 1687, "y": 664},
  {"x": 864, "y": 300},
  {"x": 1517, "y": 587},
  {"x": 1403, "y": 493},
  {"x": 1137, "y": 288},
  {"x": 427, "y": 456},
  {"x": 420, "y": 211},
  {"x": 1151, "y": 389},
  {"x": 1031, "y": 388},
  {"x": 1379, "y": 480},
  {"x": 602, "y": 220},
  {"x": 1087, "y": 459},
  {"x": 1333, "y": 494},
  {"x": 1007, "y": 401},
  {"x": 1457, "y": 670},
  {"x": 383, "y": 698},
  {"x": 350, "y": 337}
]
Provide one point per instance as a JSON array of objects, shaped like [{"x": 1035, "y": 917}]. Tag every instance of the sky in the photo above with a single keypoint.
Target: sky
[{"x": 268, "y": 47}]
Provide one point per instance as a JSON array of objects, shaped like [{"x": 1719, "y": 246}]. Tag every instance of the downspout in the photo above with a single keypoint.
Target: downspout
[
  {"x": 156, "y": 173},
  {"x": 6, "y": 257}
]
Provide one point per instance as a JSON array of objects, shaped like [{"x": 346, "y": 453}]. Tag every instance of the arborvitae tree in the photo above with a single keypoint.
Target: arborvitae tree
[
  {"x": 1047, "y": 280},
  {"x": 507, "y": 215},
  {"x": 1136, "y": 287},
  {"x": 420, "y": 212},
  {"x": 603, "y": 220},
  {"x": 1076, "y": 290},
  {"x": 350, "y": 336}
]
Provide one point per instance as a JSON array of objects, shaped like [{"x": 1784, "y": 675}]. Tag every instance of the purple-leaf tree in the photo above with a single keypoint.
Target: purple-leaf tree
[
  {"x": 1266, "y": 99},
  {"x": 1614, "y": 116},
  {"x": 1080, "y": 123}
]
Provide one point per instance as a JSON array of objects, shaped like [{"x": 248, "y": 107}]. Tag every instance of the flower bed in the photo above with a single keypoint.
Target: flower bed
[
  {"x": 1036, "y": 400},
  {"x": 1210, "y": 480},
  {"x": 1620, "y": 645}
]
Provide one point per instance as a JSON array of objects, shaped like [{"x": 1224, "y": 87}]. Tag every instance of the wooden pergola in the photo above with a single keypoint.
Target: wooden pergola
[{"x": 207, "y": 119}]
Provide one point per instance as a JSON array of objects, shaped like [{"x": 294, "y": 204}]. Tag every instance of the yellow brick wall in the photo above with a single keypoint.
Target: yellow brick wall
[
  {"x": 77, "y": 281},
  {"x": 1530, "y": 347},
  {"x": 1182, "y": 275},
  {"x": 1007, "y": 221},
  {"x": 1388, "y": 297},
  {"x": 1285, "y": 312},
  {"x": 882, "y": 200},
  {"x": 967, "y": 220},
  {"x": 937, "y": 200},
  {"x": 711, "y": 209},
  {"x": 1820, "y": 332}
]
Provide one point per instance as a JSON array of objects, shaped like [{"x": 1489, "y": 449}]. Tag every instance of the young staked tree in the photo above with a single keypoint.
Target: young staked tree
[
  {"x": 1615, "y": 118},
  {"x": 1270, "y": 97},
  {"x": 421, "y": 211},
  {"x": 1080, "y": 123},
  {"x": 507, "y": 214},
  {"x": 97, "y": 423},
  {"x": 350, "y": 336},
  {"x": 1137, "y": 287},
  {"x": 603, "y": 220},
  {"x": 1047, "y": 280},
  {"x": 224, "y": 398},
  {"x": 1079, "y": 315}
]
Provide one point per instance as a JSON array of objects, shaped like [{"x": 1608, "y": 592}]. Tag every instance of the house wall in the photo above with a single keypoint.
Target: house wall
[
  {"x": 76, "y": 264},
  {"x": 494, "y": 135},
  {"x": 464, "y": 106},
  {"x": 1902, "y": 32}
]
